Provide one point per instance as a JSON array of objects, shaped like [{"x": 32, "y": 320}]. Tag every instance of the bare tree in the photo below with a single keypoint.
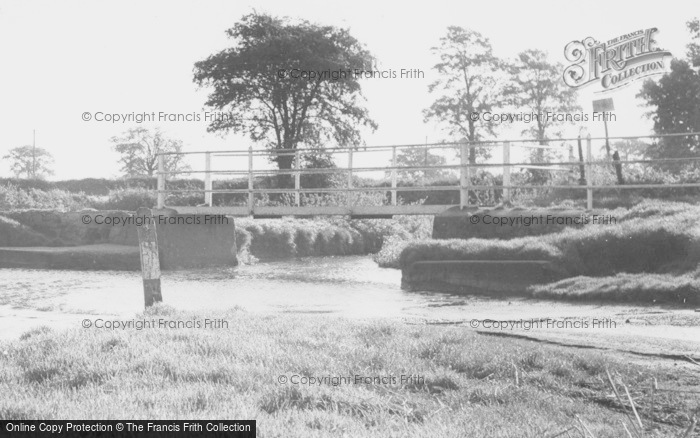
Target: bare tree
[{"x": 138, "y": 149}]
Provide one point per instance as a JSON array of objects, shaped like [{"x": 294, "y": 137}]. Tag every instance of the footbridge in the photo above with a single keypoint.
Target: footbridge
[{"x": 383, "y": 181}]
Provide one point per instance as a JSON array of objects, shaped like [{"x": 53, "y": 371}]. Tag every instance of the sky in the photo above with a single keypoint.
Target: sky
[{"x": 62, "y": 59}]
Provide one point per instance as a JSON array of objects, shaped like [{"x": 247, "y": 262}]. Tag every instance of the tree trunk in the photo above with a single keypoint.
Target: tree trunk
[{"x": 285, "y": 162}]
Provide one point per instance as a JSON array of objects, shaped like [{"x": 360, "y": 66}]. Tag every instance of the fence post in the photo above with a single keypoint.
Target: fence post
[
  {"x": 393, "y": 175},
  {"x": 618, "y": 168},
  {"x": 251, "y": 196},
  {"x": 207, "y": 179},
  {"x": 297, "y": 179},
  {"x": 463, "y": 176},
  {"x": 506, "y": 171},
  {"x": 350, "y": 194},
  {"x": 589, "y": 180},
  {"x": 582, "y": 178},
  {"x": 161, "y": 181},
  {"x": 150, "y": 263}
]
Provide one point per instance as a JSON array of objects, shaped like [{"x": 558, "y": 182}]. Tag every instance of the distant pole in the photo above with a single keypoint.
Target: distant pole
[{"x": 150, "y": 263}]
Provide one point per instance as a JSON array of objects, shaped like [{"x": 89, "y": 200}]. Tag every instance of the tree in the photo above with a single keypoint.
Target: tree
[
  {"x": 536, "y": 87},
  {"x": 258, "y": 82},
  {"x": 138, "y": 149},
  {"x": 33, "y": 163},
  {"x": 467, "y": 86},
  {"x": 676, "y": 102},
  {"x": 420, "y": 157}
]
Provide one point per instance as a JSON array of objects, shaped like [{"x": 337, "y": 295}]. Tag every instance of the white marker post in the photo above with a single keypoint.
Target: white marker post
[{"x": 150, "y": 264}]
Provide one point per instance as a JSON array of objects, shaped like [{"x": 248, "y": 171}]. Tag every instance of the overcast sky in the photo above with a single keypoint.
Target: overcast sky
[{"x": 61, "y": 59}]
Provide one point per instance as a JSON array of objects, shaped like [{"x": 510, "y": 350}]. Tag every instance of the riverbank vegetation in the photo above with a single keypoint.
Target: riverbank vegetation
[
  {"x": 651, "y": 254},
  {"x": 457, "y": 382},
  {"x": 283, "y": 238}
]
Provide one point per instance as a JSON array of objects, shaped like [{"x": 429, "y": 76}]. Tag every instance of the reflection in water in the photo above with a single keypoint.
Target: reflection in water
[{"x": 352, "y": 286}]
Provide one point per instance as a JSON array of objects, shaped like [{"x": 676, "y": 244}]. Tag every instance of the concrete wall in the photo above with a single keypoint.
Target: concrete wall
[
  {"x": 459, "y": 224},
  {"x": 185, "y": 241},
  {"x": 486, "y": 277},
  {"x": 196, "y": 241},
  {"x": 493, "y": 277}
]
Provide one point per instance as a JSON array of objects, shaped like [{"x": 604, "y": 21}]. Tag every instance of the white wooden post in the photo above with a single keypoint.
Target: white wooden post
[
  {"x": 251, "y": 198},
  {"x": 350, "y": 195},
  {"x": 463, "y": 176},
  {"x": 589, "y": 174},
  {"x": 161, "y": 181},
  {"x": 393, "y": 176},
  {"x": 150, "y": 263},
  {"x": 297, "y": 179},
  {"x": 506, "y": 171},
  {"x": 207, "y": 179}
]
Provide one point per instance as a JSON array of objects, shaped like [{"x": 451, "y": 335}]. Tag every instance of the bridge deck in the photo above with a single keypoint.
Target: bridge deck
[{"x": 359, "y": 211}]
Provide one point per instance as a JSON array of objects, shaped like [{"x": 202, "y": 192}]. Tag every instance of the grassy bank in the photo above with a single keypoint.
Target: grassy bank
[
  {"x": 651, "y": 254},
  {"x": 283, "y": 238},
  {"x": 468, "y": 385}
]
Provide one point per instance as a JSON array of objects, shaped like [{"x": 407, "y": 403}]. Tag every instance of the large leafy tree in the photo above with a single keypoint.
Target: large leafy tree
[
  {"x": 138, "y": 149},
  {"x": 536, "y": 87},
  {"x": 254, "y": 81},
  {"x": 467, "y": 86},
  {"x": 675, "y": 100},
  {"x": 30, "y": 162},
  {"x": 418, "y": 156}
]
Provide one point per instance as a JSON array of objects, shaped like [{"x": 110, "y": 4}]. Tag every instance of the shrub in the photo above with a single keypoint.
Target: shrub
[
  {"x": 129, "y": 200},
  {"x": 13, "y": 197}
]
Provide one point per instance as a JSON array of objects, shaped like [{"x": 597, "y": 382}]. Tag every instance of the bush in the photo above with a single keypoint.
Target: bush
[
  {"x": 13, "y": 197},
  {"x": 129, "y": 200}
]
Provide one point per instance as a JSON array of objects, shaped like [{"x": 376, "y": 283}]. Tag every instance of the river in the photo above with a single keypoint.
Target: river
[{"x": 352, "y": 287}]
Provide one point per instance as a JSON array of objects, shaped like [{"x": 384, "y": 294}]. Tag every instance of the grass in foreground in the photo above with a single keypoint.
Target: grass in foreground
[{"x": 469, "y": 385}]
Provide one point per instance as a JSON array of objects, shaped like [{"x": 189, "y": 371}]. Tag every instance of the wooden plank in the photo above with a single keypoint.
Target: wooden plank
[{"x": 150, "y": 263}]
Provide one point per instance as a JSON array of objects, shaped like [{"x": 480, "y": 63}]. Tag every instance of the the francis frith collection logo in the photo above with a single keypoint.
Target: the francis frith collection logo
[{"x": 616, "y": 62}]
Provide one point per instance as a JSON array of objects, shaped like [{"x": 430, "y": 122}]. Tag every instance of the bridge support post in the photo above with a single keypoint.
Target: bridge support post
[
  {"x": 589, "y": 180},
  {"x": 150, "y": 263},
  {"x": 464, "y": 176},
  {"x": 207, "y": 179},
  {"x": 350, "y": 193},
  {"x": 297, "y": 179},
  {"x": 161, "y": 181},
  {"x": 393, "y": 176},
  {"x": 506, "y": 171},
  {"x": 251, "y": 198}
]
